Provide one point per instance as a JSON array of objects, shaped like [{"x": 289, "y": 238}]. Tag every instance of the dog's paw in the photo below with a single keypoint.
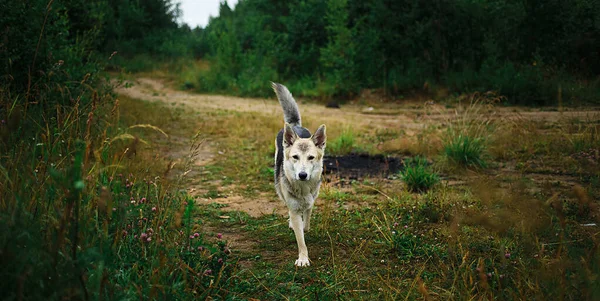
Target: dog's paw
[{"x": 302, "y": 262}]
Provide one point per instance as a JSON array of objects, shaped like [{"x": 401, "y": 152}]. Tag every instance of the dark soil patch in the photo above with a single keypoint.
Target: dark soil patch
[{"x": 357, "y": 166}]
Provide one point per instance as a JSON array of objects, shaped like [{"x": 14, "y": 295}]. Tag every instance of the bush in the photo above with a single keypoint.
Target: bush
[{"x": 418, "y": 175}]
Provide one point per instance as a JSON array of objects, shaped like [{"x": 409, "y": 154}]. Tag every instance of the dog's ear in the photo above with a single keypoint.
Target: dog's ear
[
  {"x": 319, "y": 138},
  {"x": 289, "y": 136}
]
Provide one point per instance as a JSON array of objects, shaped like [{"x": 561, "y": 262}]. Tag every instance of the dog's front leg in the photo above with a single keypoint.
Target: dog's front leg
[
  {"x": 297, "y": 225},
  {"x": 306, "y": 219}
]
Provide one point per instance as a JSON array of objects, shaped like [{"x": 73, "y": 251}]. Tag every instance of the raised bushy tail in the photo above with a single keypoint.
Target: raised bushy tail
[{"x": 291, "y": 114}]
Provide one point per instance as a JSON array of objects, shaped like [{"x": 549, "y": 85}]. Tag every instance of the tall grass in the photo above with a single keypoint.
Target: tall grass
[
  {"x": 471, "y": 125},
  {"x": 86, "y": 211}
]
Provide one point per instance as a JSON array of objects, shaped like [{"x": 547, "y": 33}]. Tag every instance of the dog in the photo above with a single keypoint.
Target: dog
[{"x": 298, "y": 168}]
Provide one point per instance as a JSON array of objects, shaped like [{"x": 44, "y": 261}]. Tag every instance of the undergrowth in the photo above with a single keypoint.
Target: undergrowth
[{"x": 90, "y": 211}]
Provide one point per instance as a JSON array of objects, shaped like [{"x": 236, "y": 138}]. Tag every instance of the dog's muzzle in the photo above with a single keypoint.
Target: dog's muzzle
[{"x": 302, "y": 176}]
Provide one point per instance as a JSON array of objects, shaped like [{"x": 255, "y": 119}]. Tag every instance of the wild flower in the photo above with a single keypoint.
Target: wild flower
[
  {"x": 153, "y": 209},
  {"x": 219, "y": 235},
  {"x": 196, "y": 234}
]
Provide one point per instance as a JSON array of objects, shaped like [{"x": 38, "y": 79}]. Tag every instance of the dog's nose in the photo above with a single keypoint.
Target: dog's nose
[{"x": 302, "y": 175}]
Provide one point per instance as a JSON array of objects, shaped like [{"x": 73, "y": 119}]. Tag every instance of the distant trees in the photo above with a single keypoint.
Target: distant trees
[
  {"x": 41, "y": 40},
  {"x": 526, "y": 50},
  {"x": 523, "y": 49}
]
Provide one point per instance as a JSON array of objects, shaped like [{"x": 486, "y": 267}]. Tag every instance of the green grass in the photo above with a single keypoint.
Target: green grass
[
  {"x": 92, "y": 212},
  {"x": 343, "y": 144},
  {"x": 477, "y": 240},
  {"x": 417, "y": 175},
  {"x": 465, "y": 150}
]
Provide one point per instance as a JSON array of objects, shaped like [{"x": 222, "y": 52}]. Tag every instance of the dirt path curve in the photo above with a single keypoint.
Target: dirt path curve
[
  {"x": 405, "y": 117},
  {"x": 156, "y": 90}
]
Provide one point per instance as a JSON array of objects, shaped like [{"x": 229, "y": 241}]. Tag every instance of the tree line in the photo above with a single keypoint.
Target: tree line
[
  {"x": 531, "y": 51},
  {"x": 527, "y": 50}
]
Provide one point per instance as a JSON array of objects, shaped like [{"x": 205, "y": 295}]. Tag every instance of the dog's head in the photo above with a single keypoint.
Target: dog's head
[{"x": 303, "y": 156}]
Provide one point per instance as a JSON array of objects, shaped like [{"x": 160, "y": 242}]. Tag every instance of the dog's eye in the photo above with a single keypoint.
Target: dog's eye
[
  {"x": 295, "y": 157},
  {"x": 310, "y": 157}
]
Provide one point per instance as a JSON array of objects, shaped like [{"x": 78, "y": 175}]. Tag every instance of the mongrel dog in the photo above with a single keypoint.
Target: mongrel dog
[{"x": 298, "y": 168}]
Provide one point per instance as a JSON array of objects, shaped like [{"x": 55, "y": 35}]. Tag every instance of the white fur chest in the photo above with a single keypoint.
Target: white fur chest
[{"x": 300, "y": 195}]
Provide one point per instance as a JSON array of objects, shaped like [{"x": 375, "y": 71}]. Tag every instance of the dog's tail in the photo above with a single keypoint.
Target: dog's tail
[{"x": 291, "y": 114}]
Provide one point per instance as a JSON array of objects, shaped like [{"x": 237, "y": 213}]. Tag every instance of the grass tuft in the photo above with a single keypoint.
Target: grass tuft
[
  {"x": 466, "y": 151},
  {"x": 342, "y": 144},
  {"x": 417, "y": 175}
]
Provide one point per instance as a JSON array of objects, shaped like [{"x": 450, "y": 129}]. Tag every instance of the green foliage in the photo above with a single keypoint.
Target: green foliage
[
  {"x": 409, "y": 246},
  {"x": 342, "y": 144},
  {"x": 77, "y": 221},
  {"x": 465, "y": 150},
  {"x": 417, "y": 174},
  {"x": 463, "y": 45},
  {"x": 337, "y": 56}
]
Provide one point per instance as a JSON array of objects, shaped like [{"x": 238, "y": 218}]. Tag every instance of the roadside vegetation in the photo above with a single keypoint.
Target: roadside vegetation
[{"x": 104, "y": 197}]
